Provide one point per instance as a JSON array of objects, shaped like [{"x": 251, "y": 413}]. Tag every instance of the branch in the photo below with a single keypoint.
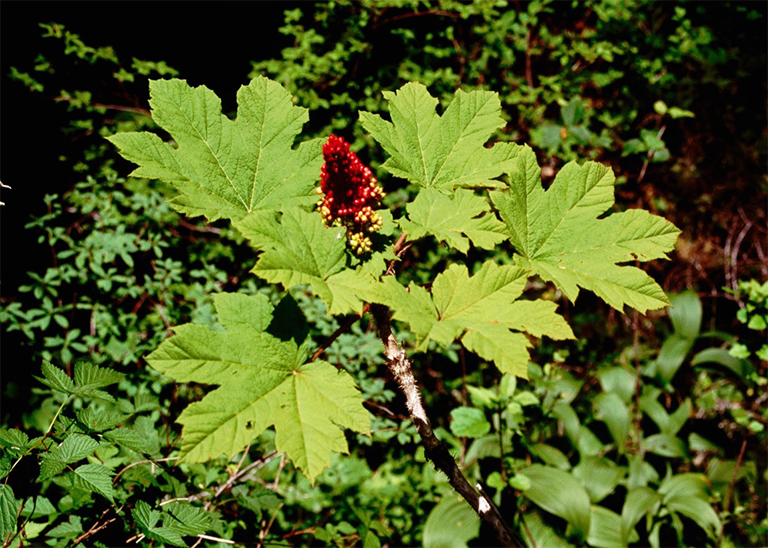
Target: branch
[{"x": 436, "y": 451}]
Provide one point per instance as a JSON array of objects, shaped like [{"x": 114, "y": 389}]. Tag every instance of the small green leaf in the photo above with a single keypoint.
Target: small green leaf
[
  {"x": 605, "y": 529},
  {"x": 450, "y": 524},
  {"x": 56, "y": 378},
  {"x": 639, "y": 502},
  {"x": 610, "y": 409},
  {"x": 68, "y": 530},
  {"x": 469, "y": 422},
  {"x": 94, "y": 477},
  {"x": 456, "y": 219},
  {"x": 721, "y": 356},
  {"x": 540, "y": 533},
  {"x": 189, "y": 520},
  {"x": 146, "y": 518},
  {"x": 9, "y": 510},
  {"x": 89, "y": 377},
  {"x": 598, "y": 476},
  {"x": 559, "y": 493}
]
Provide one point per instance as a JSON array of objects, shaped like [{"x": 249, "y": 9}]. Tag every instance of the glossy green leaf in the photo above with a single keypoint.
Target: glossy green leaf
[
  {"x": 639, "y": 502},
  {"x": 561, "y": 494},
  {"x": 617, "y": 380},
  {"x": 721, "y": 356},
  {"x": 450, "y": 524},
  {"x": 537, "y": 533},
  {"x": 612, "y": 410},
  {"x": 599, "y": 476},
  {"x": 605, "y": 530},
  {"x": 469, "y": 422}
]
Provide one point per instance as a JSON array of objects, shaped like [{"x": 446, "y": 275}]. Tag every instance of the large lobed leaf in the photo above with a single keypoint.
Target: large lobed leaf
[
  {"x": 444, "y": 152},
  {"x": 225, "y": 168},
  {"x": 482, "y": 310},
  {"x": 263, "y": 381},
  {"x": 557, "y": 233}
]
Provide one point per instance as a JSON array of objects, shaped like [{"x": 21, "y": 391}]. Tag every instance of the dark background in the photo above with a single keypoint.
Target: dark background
[{"x": 208, "y": 43}]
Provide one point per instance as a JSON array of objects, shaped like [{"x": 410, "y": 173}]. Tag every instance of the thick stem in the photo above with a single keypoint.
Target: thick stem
[{"x": 435, "y": 450}]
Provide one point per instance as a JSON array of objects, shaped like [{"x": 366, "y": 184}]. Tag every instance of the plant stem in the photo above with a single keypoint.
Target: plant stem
[{"x": 435, "y": 450}]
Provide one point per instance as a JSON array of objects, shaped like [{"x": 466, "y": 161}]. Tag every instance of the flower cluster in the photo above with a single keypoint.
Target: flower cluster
[{"x": 350, "y": 194}]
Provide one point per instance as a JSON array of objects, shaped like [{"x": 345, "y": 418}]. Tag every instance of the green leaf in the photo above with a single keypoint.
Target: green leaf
[
  {"x": 94, "y": 477},
  {"x": 559, "y": 493},
  {"x": 146, "y": 518},
  {"x": 14, "y": 440},
  {"x": 481, "y": 309},
  {"x": 225, "y": 168},
  {"x": 605, "y": 529},
  {"x": 454, "y": 219},
  {"x": 89, "y": 377},
  {"x": 9, "y": 509},
  {"x": 610, "y": 409},
  {"x": 537, "y": 533},
  {"x": 75, "y": 447},
  {"x": 444, "y": 152},
  {"x": 685, "y": 314},
  {"x": 721, "y": 356},
  {"x": 262, "y": 383},
  {"x": 469, "y": 422},
  {"x": 666, "y": 445},
  {"x": 189, "y": 520},
  {"x": 451, "y": 524},
  {"x": 598, "y": 476},
  {"x": 68, "y": 530},
  {"x": 97, "y": 419},
  {"x": 617, "y": 380},
  {"x": 56, "y": 378},
  {"x": 639, "y": 501},
  {"x": 557, "y": 235},
  {"x": 35, "y": 507},
  {"x": 296, "y": 249}
]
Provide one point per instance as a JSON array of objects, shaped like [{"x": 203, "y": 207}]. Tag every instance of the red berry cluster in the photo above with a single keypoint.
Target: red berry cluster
[{"x": 350, "y": 193}]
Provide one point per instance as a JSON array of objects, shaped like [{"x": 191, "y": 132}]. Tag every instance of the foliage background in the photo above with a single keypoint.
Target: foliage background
[{"x": 598, "y": 70}]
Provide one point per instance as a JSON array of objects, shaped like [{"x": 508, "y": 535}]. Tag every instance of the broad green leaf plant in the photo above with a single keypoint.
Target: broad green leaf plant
[{"x": 256, "y": 172}]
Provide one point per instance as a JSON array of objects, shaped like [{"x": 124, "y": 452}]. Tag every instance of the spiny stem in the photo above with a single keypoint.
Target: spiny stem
[{"x": 435, "y": 450}]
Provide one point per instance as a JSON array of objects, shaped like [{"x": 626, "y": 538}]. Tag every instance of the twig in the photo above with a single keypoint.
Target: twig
[
  {"x": 528, "y": 72},
  {"x": 97, "y": 526},
  {"x": 436, "y": 451},
  {"x": 138, "y": 462}
]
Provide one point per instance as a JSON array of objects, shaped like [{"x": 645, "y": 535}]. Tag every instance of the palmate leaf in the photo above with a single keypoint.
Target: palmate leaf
[
  {"x": 298, "y": 249},
  {"x": 443, "y": 152},
  {"x": 481, "y": 309},
  {"x": 456, "y": 219},
  {"x": 225, "y": 168},
  {"x": 557, "y": 235},
  {"x": 263, "y": 381}
]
